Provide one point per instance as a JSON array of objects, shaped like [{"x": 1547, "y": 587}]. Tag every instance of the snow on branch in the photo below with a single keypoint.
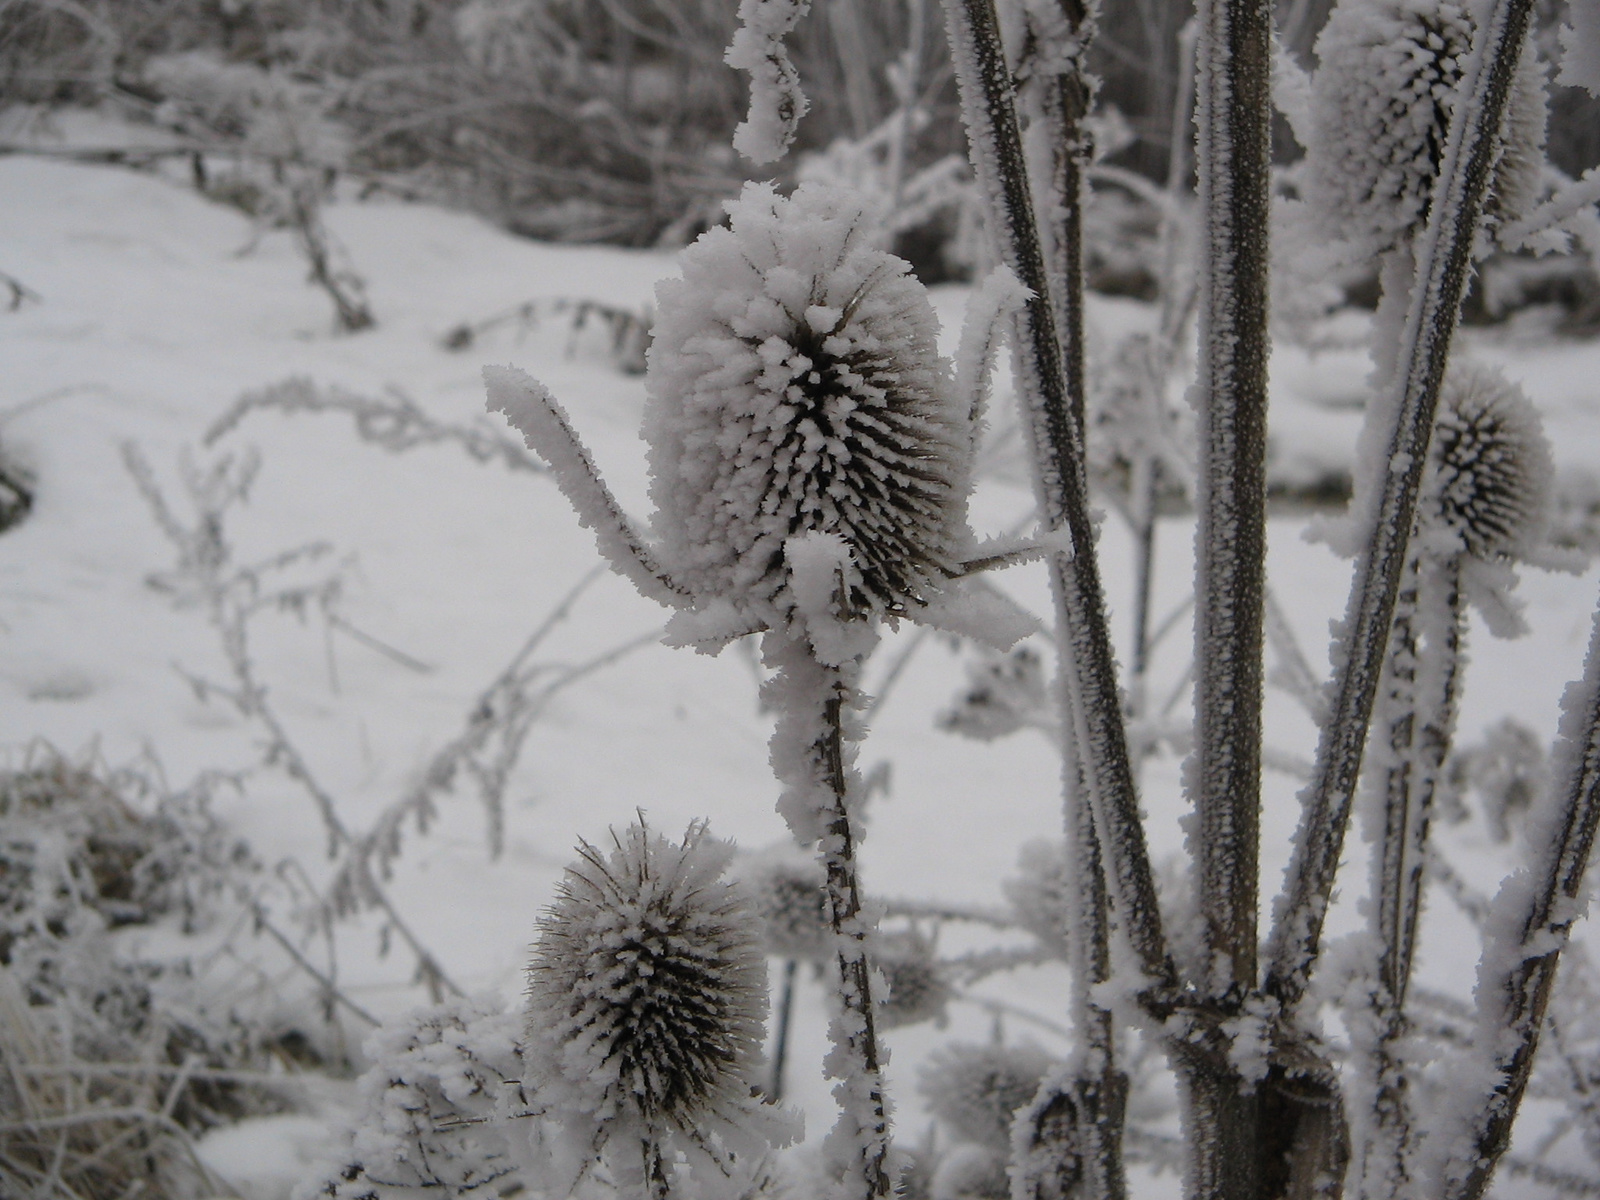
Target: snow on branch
[{"x": 776, "y": 101}]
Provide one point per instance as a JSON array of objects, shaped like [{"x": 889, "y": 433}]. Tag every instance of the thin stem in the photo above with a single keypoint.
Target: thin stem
[
  {"x": 780, "y": 1038},
  {"x": 1515, "y": 980},
  {"x": 858, "y": 1019},
  {"x": 1055, "y": 427}
]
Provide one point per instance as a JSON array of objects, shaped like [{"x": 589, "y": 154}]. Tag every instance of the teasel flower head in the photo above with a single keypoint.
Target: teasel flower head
[
  {"x": 646, "y": 1005},
  {"x": 787, "y": 889},
  {"x": 1388, "y": 80},
  {"x": 795, "y": 391},
  {"x": 1039, "y": 893},
  {"x": 1488, "y": 481},
  {"x": 915, "y": 986},
  {"x": 976, "y": 1090}
]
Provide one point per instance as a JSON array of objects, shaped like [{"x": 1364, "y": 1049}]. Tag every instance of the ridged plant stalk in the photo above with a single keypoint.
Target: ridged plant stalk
[
  {"x": 1418, "y": 710},
  {"x": 1101, "y": 807},
  {"x": 1233, "y": 158},
  {"x": 1443, "y": 256},
  {"x": 823, "y": 697}
]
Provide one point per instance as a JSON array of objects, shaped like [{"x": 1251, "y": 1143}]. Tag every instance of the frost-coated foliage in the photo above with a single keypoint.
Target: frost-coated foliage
[
  {"x": 1388, "y": 80},
  {"x": 647, "y": 997},
  {"x": 441, "y": 1108},
  {"x": 795, "y": 386}
]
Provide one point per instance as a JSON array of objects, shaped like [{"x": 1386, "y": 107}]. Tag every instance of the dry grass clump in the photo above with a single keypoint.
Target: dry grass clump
[{"x": 112, "y": 1058}]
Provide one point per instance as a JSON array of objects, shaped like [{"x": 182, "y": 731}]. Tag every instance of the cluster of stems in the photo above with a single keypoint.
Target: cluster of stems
[{"x": 1281, "y": 1133}]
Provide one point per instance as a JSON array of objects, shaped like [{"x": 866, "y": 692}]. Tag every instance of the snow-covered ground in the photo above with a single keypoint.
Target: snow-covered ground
[{"x": 157, "y": 309}]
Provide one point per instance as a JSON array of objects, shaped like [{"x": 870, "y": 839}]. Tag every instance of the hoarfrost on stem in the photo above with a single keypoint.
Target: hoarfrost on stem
[{"x": 776, "y": 101}]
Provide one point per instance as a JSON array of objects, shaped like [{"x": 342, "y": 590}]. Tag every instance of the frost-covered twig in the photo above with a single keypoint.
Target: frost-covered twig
[
  {"x": 536, "y": 414},
  {"x": 394, "y": 421},
  {"x": 776, "y": 101},
  {"x": 232, "y": 595},
  {"x": 1055, "y": 430}
]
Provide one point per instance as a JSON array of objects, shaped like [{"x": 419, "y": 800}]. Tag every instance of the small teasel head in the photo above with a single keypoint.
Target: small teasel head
[
  {"x": 976, "y": 1090},
  {"x": 1489, "y": 476},
  {"x": 1388, "y": 78},
  {"x": 646, "y": 1006},
  {"x": 795, "y": 389},
  {"x": 916, "y": 988},
  {"x": 787, "y": 889}
]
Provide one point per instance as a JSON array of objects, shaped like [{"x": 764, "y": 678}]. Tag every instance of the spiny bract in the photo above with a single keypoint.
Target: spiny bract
[
  {"x": 1388, "y": 80},
  {"x": 1490, "y": 472},
  {"x": 795, "y": 388},
  {"x": 647, "y": 998}
]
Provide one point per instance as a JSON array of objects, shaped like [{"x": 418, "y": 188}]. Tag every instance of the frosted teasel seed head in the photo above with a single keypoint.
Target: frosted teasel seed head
[
  {"x": 646, "y": 1009},
  {"x": 795, "y": 389},
  {"x": 916, "y": 988},
  {"x": 787, "y": 889},
  {"x": 1388, "y": 78},
  {"x": 1039, "y": 893},
  {"x": 976, "y": 1090},
  {"x": 1490, "y": 468}
]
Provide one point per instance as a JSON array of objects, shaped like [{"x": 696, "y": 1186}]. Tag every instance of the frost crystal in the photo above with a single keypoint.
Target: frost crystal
[
  {"x": 795, "y": 388},
  {"x": 1490, "y": 472},
  {"x": 646, "y": 1003},
  {"x": 1389, "y": 76}
]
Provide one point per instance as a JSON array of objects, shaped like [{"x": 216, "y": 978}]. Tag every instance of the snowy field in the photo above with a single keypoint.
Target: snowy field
[{"x": 156, "y": 310}]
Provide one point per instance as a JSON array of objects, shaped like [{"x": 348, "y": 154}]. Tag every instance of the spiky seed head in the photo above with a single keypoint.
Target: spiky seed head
[
  {"x": 915, "y": 986},
  {"x": 647, "y": 997},
  {"x": 976, "y": 1090},
  {"x": 795, "y": 387},
  {"x": 787, "y": 889},
  {"x": 1004, "y": 693},
  {"x": 1039, "y": 893},
  {"x": 1490, "y": 470},
  {"x": 1388, "y": 78}
]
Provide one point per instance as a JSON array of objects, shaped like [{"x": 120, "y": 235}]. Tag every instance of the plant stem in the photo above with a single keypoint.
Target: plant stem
[
  {"x": 1055, "y": 430},
  {"x": 857, "y": 1021},
  {"x": 1443, "y": 255},
  {"x": 780, "y": 1037},
  {"x": 1515, "y": 980}
]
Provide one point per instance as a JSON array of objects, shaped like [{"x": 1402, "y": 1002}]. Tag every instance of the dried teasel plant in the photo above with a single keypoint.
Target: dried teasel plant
[
  {"x": 810, "y": 455},
  {"x": 1388, "y": 79},
  {"x": 1484, "y": 505},
  {"x": 647, "y": 1001}
]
